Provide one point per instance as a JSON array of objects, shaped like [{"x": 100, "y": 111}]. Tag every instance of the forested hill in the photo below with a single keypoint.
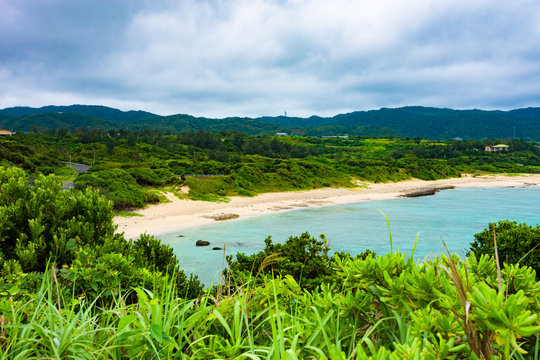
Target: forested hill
[
  {"x": 412, "y": 121},
  {"x": 431, "y": 123},
  {"x": 53, "y": 121},
  {"x": 96, "y": 111}
]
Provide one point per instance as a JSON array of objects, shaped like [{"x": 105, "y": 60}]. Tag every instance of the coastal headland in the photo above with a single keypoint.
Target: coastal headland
[{"x": 180, "y": 213}]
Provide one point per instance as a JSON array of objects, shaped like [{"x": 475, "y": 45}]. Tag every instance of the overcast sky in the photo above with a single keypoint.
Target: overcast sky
[{"x": 260, "y": 57}]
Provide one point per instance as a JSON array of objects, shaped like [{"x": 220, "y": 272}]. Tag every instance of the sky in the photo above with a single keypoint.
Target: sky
[{"x": 220, "y": 58}]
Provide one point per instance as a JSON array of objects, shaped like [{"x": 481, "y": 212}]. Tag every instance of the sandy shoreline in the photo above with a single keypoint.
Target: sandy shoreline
[{"x": 180, "y": 214}]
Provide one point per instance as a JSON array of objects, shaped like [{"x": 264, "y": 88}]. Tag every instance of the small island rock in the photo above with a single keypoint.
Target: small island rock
[{"x": 202, "y": 243}]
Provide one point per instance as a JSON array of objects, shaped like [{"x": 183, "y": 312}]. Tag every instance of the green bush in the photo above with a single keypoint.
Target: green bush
[
  {"x": 42, "y": 225},
  {"x": 117, "y": 185},
  {"x": 209, "y": 188},
  {"x": 42, "y": 222},
  {"x": 515, "y": 243},
  {"x": 303, "y": 257},
  {"x": 92, "y": 276},
  {"x": 152, "y": 177},
  {"x": 150, "y": 253},
  {"x": 145, "y": 263},
  {"x": 246, "y": 177},
  {"x": 457, "y": 308}
]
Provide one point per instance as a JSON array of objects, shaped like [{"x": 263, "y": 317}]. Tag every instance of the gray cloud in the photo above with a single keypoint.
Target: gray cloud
[{"x": 261, "y": 57}]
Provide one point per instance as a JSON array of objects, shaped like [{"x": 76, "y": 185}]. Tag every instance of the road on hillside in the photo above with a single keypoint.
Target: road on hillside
[{"x": 81, "y": 168}]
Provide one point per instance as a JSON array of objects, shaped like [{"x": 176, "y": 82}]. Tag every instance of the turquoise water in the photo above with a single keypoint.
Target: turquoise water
[{"x": 452, "y": 215}]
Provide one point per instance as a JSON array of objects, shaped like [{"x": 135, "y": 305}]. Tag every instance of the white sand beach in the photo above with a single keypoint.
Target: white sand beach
[{"x": 180, "y": 214}]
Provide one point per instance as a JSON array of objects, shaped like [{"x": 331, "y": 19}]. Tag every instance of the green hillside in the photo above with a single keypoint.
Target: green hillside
[
  {"x": 429, "y": 123},
  {"x": 434, "y": 123},
  {"x": 182, "y": 122},
  {"x": 411, "y": 121},
  {"x": 53, "y": 121},
  {"x": 97, "y": 111}
]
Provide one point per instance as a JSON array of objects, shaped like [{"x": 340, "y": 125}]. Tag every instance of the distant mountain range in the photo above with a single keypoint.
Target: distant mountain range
[{"x": 410, "y": 121}]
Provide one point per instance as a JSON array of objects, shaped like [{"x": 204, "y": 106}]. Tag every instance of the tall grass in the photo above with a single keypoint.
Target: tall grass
[{"x": 388, "y": 308}]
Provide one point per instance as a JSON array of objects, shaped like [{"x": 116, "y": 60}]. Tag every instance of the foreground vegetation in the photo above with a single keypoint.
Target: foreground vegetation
[
  {"x": 388, "y": 308},
  {"x": 72, "y": 289},
  {"x": 131, "y": 167},
  {"x": 42, "y": 225}
]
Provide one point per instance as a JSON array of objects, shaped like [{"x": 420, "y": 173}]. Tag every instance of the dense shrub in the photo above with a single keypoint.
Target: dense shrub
[
  {"x": 457, "y": 309},
  {"x": 152, "y": 177},
  {"x": 42, "y": 222},
  {"x": 151, "y": 254},
  {"x": 247, "y": 177},
  {"x": 92, "y": 276},
  {"x": 214, "y": 188},
  {"x": 117, "y": 185},
  {"x": 515, "y": 243},
  {"x": 41, "y": 226},
  {"x": 303, "y": 257}
]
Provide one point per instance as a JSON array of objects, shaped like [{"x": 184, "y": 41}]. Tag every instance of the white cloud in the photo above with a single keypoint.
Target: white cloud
[{"x": 261, "y": 57}]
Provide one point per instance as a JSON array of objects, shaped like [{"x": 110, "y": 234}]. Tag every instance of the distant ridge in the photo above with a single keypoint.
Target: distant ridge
[
  {"x": 97, "y": 111},
  {"x": 410, "y": 121}
]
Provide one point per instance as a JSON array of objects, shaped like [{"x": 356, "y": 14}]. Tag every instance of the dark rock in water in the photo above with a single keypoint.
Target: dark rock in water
[
  {"x": 427, "y": 192},
  {"x": 180, "y": 235},
  {"x": 202, "y": 243},
  {"x": 217, "y": 248}
]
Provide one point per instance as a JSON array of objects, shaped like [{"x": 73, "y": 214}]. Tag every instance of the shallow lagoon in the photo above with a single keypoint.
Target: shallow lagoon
[{"x": 452, "y": 215}]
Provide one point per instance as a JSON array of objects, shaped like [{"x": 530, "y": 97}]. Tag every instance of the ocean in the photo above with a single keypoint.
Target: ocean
[{"x": 450, "y": 215}]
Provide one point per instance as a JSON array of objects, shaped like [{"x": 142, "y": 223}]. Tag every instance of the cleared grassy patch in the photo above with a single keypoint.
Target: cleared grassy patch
[{"x": 125, "y": 213}]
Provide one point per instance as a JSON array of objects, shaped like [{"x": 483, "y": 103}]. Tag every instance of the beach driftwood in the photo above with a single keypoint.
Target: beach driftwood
[
  {"x": 427, "y": 192},
  {"x": 202, "y": 243}
]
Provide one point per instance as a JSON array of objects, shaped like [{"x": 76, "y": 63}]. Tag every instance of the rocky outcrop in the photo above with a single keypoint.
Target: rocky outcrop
[{"x": 427, "y": 192}]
